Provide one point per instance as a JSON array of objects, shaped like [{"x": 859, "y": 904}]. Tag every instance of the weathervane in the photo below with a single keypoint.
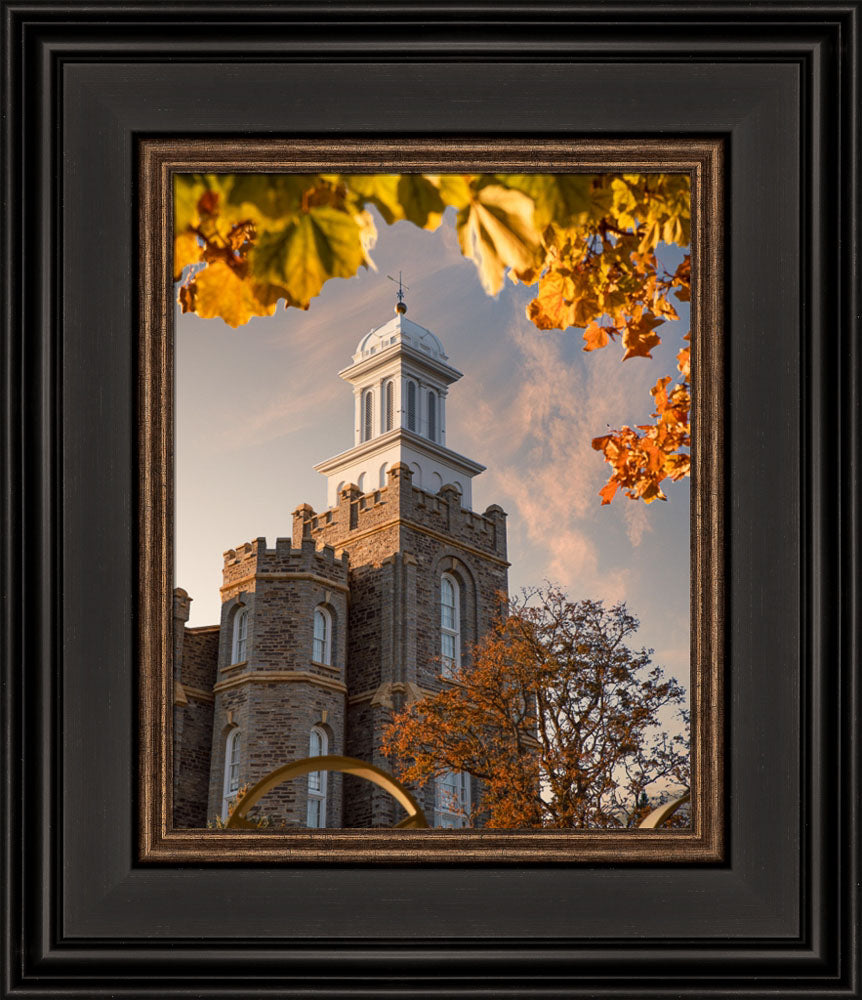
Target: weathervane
[{"x": 401, "y": 306}]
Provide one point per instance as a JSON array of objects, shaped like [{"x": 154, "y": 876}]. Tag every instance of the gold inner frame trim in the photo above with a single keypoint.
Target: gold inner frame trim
[{"x": 158, "y": 160}]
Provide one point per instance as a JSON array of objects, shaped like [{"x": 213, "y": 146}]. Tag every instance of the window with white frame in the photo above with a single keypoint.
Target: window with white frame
[
  {"x": 318, "y": 746},
  {"x": 432, "y": 416},
  {"x": 233, "y": 749},
  {"x": 240, "y": 636},
  {"x": 367, "y": 416},
  {"x": 411, "y": 406},
  {"x": 389, "y": 401},
  {"x": 450, "y": 624},
  {"x": 321, "y": 650},
  {"x": 452, "y": 800}
]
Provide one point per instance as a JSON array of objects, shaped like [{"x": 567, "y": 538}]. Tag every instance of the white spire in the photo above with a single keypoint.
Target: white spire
[{"x": 400, "y": 376}]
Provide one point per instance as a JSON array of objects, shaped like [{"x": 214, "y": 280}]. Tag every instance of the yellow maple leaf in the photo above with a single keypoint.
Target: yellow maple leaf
[
  {"x": 565, "y": 199},
  {"x": 551, "y": 309},
  {"x": 187, "y": 250},
  {"x": 219, "y": 291},
  {"x": 496, "y": 232},
  {"x": 454, "y": 189},
  {"x": 321, "y": 244},
  {"x": 420, "y": 201},
  {"x": 414, "y": 197}
]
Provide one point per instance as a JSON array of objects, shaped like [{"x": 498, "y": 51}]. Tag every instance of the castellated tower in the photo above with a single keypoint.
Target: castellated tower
[
  {"x": 277, "y": 688},
  {"x": 405, "y": 545},
  {"x": 366, "y": 609}
]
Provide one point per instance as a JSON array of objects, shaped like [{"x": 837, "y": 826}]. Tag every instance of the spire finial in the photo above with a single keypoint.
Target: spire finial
[{"x": 400, "y": 305}]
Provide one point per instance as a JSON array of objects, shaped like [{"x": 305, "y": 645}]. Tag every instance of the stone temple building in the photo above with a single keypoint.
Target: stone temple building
[{"x": 323, "y": 636}]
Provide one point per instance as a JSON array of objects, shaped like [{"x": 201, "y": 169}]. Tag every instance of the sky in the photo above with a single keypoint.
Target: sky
[{"x": 258, "y": 407}]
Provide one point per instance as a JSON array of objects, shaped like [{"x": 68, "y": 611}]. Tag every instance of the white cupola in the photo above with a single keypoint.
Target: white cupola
[{"x": 400, "y": 376}]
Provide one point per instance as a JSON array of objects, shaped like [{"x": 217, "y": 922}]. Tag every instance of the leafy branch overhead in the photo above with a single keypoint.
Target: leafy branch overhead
[{"x": 244, "y": 242}]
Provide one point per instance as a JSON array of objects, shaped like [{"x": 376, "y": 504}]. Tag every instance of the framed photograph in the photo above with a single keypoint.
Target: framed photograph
[
  {"x": 260, "y": 560},
  {"x": 229, "y": 704}
]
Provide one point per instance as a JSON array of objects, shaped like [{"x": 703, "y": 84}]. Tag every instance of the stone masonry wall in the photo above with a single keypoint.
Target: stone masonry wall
[
  {"x": 394, "y": 544},
  {"x": 195, "y": 652},
  {"x": 278, "y": 693},
  {"x": 400, "y": 540}
]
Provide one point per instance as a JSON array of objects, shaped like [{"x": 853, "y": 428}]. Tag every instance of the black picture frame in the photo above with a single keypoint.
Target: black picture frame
[{"x": 83, "y": 83}]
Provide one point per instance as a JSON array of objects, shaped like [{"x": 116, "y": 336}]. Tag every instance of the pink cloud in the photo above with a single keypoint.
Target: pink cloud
[{"x": 536, "y": 438}]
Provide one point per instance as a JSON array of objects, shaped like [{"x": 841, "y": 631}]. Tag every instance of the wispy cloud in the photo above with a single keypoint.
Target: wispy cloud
[
  {"x": 637, "y": 521},
  {"x": 536, "y": 437},
  {"x": 286, "y": 414}
]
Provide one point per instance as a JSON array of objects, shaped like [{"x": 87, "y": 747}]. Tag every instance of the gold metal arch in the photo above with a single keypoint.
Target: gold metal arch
[
  {"x": 414, "y": 820},
  {"x": 658, "y": 817}
]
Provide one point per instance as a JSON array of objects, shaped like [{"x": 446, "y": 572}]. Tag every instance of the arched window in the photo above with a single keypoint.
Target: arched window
[
  {"x": 318, "y": 746},
  {"x": 361, "y": 482},
  {"x": 432, "y": 416},
  {"x": 240, "y": 636},
  {"x": 368, "y": 416},
  {"x": 411, "y": 406},
  {"x": 231, "y": 770},
  {"x": 452, "y": 800},
  {"x": 389, "y": 393},
  {"x": 321, "y": 651},
  {"x": 383, "y": 469},
  {"x": 450, "y": 624}
]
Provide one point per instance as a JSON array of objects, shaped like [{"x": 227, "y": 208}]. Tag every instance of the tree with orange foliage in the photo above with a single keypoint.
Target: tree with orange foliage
[{"x": 556, "y": 715}]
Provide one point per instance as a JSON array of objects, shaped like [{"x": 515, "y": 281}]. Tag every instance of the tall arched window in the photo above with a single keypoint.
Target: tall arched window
[
  {"x": 432, "y": 416},
  {"x": 450, "y": 624},
  {"x": 321, "y": 651},
  {"x": 383, "y": 469},
  {"x": 231, "y": 770},
  {"x": 367, "y": 416},
  {"x": 452, "y": 800},
  {"x": 389, "y": 393},
  {"x": 411, "y": 406},
  {"x": 318, "y": 746},
  {"x": 240, "y": 636}
]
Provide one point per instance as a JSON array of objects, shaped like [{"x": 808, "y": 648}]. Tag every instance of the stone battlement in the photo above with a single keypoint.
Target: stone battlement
[
  {"x": 441, "y": 512},
  {"x": 254, "y": 558}
]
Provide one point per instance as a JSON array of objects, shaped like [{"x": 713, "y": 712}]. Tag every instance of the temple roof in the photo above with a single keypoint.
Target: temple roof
[{"x": 400, "y": 330}]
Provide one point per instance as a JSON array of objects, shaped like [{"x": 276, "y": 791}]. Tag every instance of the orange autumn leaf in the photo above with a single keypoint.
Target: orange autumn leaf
[
  {"x": 638, "y": 336},
  {"x": 607, "y": 492},
  {"x": 642, "y": 458},
  {"x": 595, "y": 337}
]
